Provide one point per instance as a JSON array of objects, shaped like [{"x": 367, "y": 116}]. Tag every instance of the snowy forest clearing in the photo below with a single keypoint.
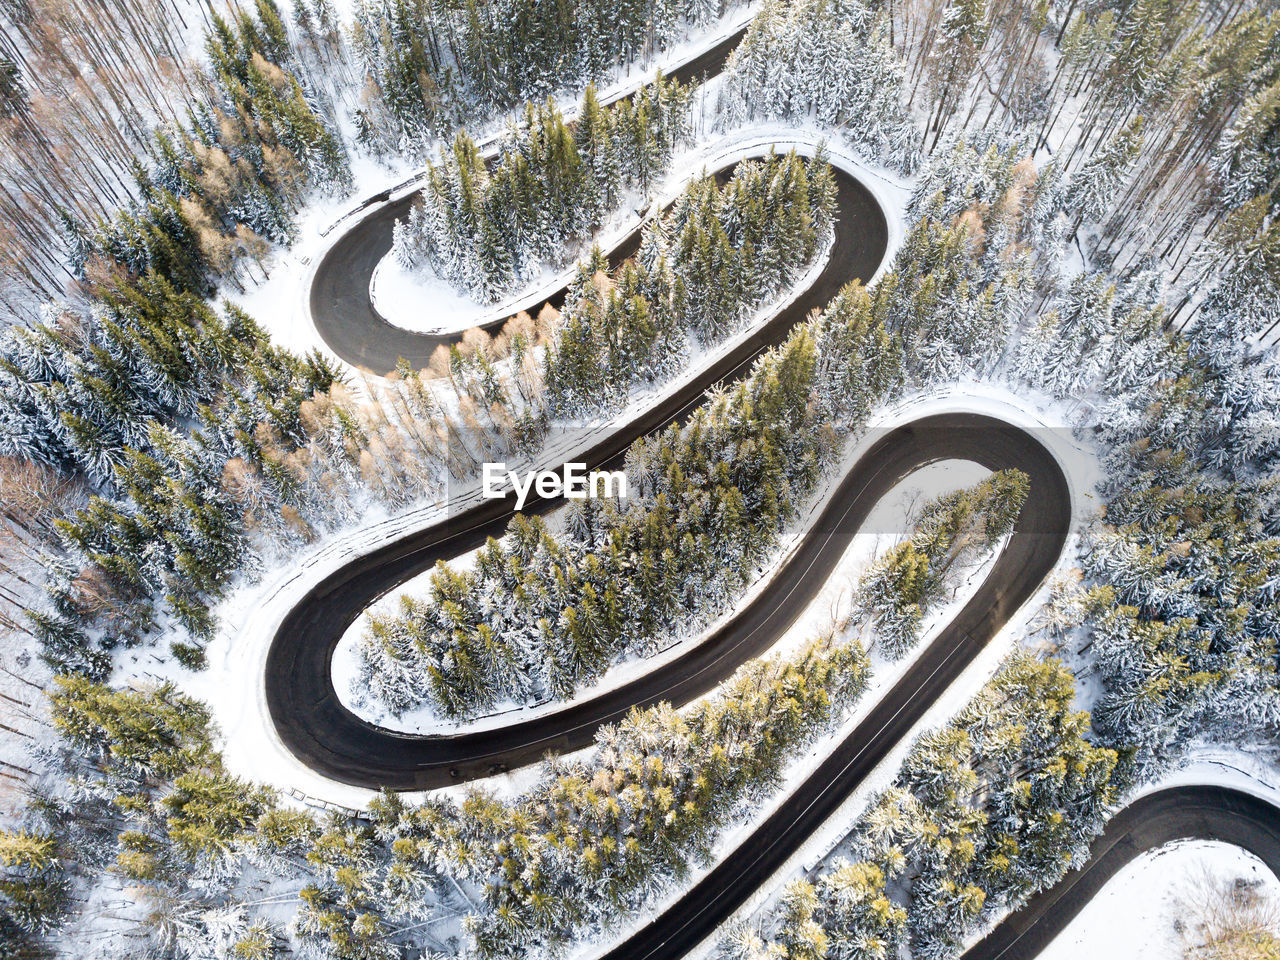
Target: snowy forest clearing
[
  {"x": 1148, "y": 910},
  {"x": 422, "y": 303},
  {"x": 1138, "y": 914}
]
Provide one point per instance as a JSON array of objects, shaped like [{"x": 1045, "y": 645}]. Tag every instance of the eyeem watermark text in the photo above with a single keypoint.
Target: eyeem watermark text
[{"x": 571, "y": 481}]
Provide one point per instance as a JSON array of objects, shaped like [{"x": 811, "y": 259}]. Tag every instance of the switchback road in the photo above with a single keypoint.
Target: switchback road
[
  {"x": 341, "y": 307},
  {"x": 329, "y": 738},
  {"x": 305, "y": 708},
  {"x": 322, "y": 733}
]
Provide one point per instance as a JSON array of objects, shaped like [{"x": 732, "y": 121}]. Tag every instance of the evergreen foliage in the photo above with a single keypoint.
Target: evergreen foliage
[
  {"x": 895, "y": 594},
  {"x": 827, "y": 59},
  {"x": 963, "y": 276},
  {"x": 594, "y": 838},
  {"x": 146, "y": 399},
  {"x": 430, "y": 66},
  {"x": 487, "y": 230},
  {"x": 1180, "y": 601},
  {"x": 153, "y": 735},
  {"x": 966, "y": 272},
  {"x": 34, "y": 891},
  {"x": 156, "y": 807},
  {"x": 196, "y": 434},
  {"x": 227, "y": 183},
  {"x": 736, "y": 245},
  {"x": 615, "y": 332},
  {"x": 990, "y": 809}
]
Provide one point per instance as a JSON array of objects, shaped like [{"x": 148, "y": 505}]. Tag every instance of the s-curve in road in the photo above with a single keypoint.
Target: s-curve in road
[
  {"x": 301, "y": 700},
  {"x": 322, "y": 733},
  {"x": 329, "y": 739},
  {"x": 340, "y": 301}
]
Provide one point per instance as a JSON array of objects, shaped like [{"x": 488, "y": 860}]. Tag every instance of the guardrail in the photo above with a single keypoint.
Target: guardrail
[{"x": 318, "y": 804}]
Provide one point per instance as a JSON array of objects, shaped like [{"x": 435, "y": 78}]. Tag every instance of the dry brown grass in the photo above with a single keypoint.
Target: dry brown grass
[{"x": 1228, "y": 920}]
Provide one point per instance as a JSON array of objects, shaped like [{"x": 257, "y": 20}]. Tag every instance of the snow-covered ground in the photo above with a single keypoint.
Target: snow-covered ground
[
  {"x": 1141, "y": 912},
  {"x": 419, "y": 301}
]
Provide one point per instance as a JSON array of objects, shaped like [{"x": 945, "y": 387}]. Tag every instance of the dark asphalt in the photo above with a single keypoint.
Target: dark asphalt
[
  {"x": 333, "y": 741},
  {"x": 340, "y": 304},
  {"x": 304, "y": 707}
]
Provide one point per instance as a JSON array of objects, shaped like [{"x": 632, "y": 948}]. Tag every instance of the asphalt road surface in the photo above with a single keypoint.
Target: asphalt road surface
[
  {"x": 306, "y": 710},
  {"x": 341, "y": 308},
  {"x": 330, "y": 739}
]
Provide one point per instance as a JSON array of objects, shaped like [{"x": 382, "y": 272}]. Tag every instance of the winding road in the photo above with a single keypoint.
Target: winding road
[
  {"x": 303, "y": 704},
  {"x": 340, "y": 304},
  {"x": 327, "y": 737},
  {"x": 321, "y": 732}
]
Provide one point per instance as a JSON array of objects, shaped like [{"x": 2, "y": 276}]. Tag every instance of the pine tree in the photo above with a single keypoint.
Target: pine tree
[{"x": 1095, "y": 186}]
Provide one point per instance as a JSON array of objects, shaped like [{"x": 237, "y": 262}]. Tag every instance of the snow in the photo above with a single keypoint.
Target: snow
[
  {"x": 22, "y": 677},
  {"x": 399, "y": 294},
  {"x": 232, "y": 682},
  {"x": 281, "y": 304},
  {"x": 1049, "y": 422},
  {"x": 419, "y": 301},
  {"x": 1135, "y": 916},
  {"x": 827, "y": 608}
]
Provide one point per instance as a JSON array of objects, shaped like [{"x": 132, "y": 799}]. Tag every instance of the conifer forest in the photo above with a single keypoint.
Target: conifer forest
[{"x": 920, "y": 360}]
